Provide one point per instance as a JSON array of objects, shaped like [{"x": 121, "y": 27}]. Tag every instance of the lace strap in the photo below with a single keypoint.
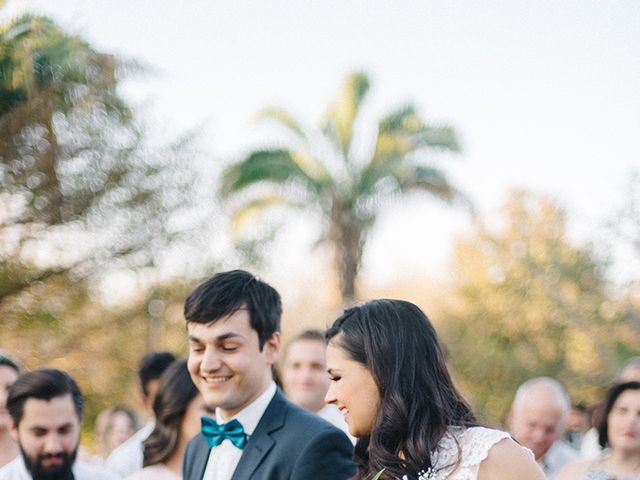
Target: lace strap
[{"x": 476, "y": 442}]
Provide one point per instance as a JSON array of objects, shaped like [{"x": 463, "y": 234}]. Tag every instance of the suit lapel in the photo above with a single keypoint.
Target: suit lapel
[
  {"x": 200, "y": 458},
  {"x": 261, "y": 442}
]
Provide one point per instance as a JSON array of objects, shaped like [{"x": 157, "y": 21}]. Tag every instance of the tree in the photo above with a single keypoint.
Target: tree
[
  {"x": 84, "y": 192},
  {"x": 531, "y": 303},
  {"x": 75, "y": 167},
  {"x": 323, "y": 172}
]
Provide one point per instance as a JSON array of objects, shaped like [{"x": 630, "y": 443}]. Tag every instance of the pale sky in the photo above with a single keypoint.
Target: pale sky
[{"x": 545, "y": 95}]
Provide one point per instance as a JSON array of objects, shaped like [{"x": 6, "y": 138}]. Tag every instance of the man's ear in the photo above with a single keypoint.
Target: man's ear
[
  {"x": 13, "y": 430},
  {"x": 272, "y": 348}
]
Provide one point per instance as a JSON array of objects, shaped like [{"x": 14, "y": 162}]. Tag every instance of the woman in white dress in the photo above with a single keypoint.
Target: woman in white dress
[
  {"x": 618, "y": 435},
  {"x": 390, "y": 381},
  {"x": 178, "y": 408}
]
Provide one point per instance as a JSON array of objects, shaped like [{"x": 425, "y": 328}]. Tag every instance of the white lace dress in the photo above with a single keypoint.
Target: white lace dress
[{"x": 470, "y": 445}]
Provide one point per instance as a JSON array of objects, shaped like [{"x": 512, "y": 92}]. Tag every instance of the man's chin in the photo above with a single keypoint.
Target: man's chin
[{"x": 47, "y": 468}]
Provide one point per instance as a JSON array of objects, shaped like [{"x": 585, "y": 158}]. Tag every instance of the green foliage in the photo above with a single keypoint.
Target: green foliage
[
  {"x": 83, "y": 195},
  {"x": 532, "y": 303},
  {"x": 74, "y": 166},
  {"x": 321, "y": 172}
]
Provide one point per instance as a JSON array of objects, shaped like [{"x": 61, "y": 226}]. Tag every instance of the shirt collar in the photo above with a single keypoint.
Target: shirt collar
[{"x": 250, "y": 415}]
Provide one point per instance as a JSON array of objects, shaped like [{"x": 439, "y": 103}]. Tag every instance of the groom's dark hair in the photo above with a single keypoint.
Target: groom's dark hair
[{"x": 227, "y": 292}]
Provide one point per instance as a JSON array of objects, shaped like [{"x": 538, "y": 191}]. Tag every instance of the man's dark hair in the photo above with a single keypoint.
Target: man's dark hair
[
  {"x": 227, "y": 292},
  {"x": 42, "y": 384},
  {"x": 310, "y": 335},
  {"x": 152, "y": 366},
  {"x": 307, "y": 335},
  {"x": 8, "y": 361}
]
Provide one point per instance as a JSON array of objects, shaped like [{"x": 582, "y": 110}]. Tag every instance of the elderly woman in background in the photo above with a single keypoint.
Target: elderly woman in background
[
  {"x": 619, "y": 435},
  {"x": 9, "y": 371},
  {"x": 178, "y": 408}
]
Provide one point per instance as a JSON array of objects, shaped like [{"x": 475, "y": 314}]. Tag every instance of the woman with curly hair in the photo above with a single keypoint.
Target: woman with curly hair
[{"x": 390, "y": 381}]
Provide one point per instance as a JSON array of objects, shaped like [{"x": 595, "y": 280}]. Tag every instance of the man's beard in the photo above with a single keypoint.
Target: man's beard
[{"x": 39, "y": 471}]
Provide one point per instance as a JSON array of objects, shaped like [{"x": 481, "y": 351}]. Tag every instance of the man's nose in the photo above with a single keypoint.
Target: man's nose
[
  {"x": 53, "y": 444},
  {"x": 211, "y": 360}
]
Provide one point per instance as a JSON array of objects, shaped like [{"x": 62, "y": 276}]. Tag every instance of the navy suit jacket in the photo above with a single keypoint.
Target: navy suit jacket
[{"x": 289, "y": 443}]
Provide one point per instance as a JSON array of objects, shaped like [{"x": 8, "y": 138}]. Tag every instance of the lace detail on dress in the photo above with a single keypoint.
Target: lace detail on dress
[{"x": 470, "y": 445}]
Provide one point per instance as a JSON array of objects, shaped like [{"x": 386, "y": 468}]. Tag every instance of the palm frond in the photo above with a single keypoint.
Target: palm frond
[
  {"x": 341, "y": 115},
  {"x": 252, "y": 209},
  {"x": 403, "y": 131},
  {"x": 276, "y": 165},
  {"x": 429, "y": 179},
  {"x": 284, "y": 119}
]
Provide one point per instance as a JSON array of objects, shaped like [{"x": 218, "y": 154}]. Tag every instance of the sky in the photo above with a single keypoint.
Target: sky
[{"x": 544, "y": 95}]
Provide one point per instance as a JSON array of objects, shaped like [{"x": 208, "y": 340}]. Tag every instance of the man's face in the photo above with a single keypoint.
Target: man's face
[
  {"x": 537, "y": 424},
  {"x": 304, "y": 374},
  {"x": 226, "y": 364},
  {"x": 48, "y": 436},
  {"x": 8, "y": 377}
]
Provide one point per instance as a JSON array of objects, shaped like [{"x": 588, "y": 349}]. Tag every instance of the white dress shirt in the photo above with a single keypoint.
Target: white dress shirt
[
  {"x": 556, "y": 458},
  {"x": 128, "y": 457},
  {"x": 17, "y": 470},
  {"x": 224, "y": 458}
]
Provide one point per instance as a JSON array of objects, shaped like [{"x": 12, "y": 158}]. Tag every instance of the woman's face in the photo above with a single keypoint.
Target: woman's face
[
  {"x": 120, "y": 430},
  {"x": 624, "y": 422},
  {"x": 191, "y": 421},
  {"x": 353, "y": 390},
  {"x": 8, "y": 377}
]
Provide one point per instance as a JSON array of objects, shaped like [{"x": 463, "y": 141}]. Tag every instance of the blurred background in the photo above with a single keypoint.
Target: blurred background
[{"x": 478, "y": 159}]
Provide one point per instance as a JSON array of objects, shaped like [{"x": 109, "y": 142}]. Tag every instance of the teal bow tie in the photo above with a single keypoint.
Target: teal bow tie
[{"x": 215, "y": 433}]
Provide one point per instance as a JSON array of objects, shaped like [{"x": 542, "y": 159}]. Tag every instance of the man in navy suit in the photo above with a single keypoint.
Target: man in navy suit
[{"x": 233, "y": 323}]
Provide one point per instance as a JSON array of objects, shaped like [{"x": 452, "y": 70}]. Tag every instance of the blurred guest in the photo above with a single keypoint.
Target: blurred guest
[
  {"x": 619, "y": 432},
  {"x": 9, "y": 371},
  {"x": 630, "y": 371},
  {"x": 305, "y": 379},
  {"x": 46, "y": 409},
  {"x": 590, "y": 448},
  {"x": 127, "y": 458},
  {"x": 178, "y": 408},
  {"x": 578, "y": 423},
  {"x": 114, "y": 426},
  {"x": 537, "y": 420}
]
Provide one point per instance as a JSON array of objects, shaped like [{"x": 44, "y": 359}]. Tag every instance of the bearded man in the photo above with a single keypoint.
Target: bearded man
[{"x": 46, "y": 409}]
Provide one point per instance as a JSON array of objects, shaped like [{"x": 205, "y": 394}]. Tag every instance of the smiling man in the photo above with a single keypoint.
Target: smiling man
[
  {"x": 46, "y": 409},
  {"x": 233, "y": 323},
  {"x": 305, "y": 380}
]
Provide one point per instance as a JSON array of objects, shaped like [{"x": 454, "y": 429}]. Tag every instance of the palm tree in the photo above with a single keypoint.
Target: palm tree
[{"x": 324, "y": 172}]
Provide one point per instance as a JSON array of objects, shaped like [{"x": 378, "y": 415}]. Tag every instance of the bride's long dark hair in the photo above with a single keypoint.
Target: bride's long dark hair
[{"x": 395, "y": 340}]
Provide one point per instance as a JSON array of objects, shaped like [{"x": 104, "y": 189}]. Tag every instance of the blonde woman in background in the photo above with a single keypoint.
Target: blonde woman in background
[{"x": 114, "y": 425}]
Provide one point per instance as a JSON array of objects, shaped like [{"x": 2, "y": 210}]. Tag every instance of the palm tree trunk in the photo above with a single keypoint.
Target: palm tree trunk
[{"x": 348, "y": 246}]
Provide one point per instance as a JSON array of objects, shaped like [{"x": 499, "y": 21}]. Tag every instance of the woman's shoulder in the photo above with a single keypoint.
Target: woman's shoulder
[
  {"x": 508, "y": 460},
  {"x": 474, "y": 443}
]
